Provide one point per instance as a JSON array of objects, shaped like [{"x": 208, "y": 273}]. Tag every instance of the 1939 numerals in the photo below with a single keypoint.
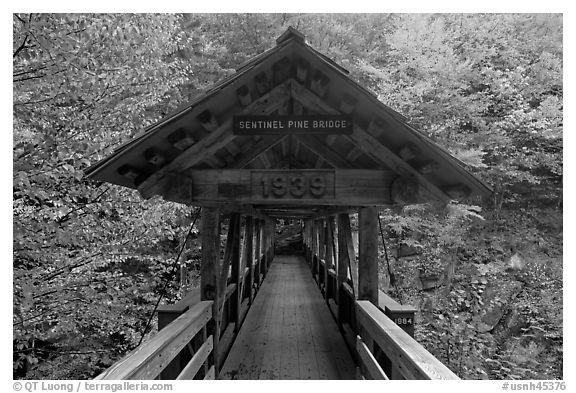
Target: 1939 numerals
[{"x": 293, "y": 185}]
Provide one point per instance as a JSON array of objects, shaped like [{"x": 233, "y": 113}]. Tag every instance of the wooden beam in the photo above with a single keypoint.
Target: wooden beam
[
  {"x": 210, "y": 269},
  {"x": 322, "y": 239},
  {"x": 233, "y": 242},
  {"x": 330, "y": 139},
  {"x": 284, "y": 147},
  {"x": 232, "y": 148},
  {"x": 214, "y": 141},
  {"x": 324, "y": 211},
  {"x": 367, "y": 142},
  {"x": 251, "y": 153},
  {"x": 329, "y": 253},
  {"x": 314, "y": 247},
  {"x": 404, "y": 191},
  {"x": 368, "y": 254},
  {"x": 409, "y": 151},
  {"x": 265, "y": 161},
  {"x": 249, "y": 252},
  {"x": 214, "y": 162},
  {"x": 428, "y": 167},
  {"x": 323, "y": 187},
  {"x": 271, "y": 229},
  {"x": 295, "y": 148},
  {"x": 265, "y": 246},
  {"x": 346, "y": 255},
  {"x": 321, "y": 149},
  {"x": 291, "y": 162},
  {"x": 257, "y": 251},
  {"x": 353, "y": 154},
  {"x": 368, "y": 361}
]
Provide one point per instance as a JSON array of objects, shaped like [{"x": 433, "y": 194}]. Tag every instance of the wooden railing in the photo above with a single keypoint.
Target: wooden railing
[
  {"x": 187, "y": 345},
  {"x": 380, "y": 336},
  {"x": 399, "y": 355},
  {"x": 187, "y": 332}
]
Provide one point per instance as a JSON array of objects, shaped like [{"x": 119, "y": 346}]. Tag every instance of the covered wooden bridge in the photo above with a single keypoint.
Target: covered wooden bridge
[{"x": 289, "y": 136}]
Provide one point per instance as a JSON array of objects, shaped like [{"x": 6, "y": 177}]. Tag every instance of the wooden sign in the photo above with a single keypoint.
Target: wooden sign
[
  {"x": 290, "y": 185},
  {"x": 296, "y": 187},
  {"x": 281, "y": 125}
]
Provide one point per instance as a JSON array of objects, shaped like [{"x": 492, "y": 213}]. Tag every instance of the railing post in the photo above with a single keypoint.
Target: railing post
[{"x": 210, "y": 271}]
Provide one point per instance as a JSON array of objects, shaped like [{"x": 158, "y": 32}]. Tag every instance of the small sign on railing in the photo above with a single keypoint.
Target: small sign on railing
[{"x": 281, "y": 125}]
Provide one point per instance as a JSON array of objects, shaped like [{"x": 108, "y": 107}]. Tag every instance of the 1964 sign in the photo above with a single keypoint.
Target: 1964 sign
[{"x": 276, "y": 125}]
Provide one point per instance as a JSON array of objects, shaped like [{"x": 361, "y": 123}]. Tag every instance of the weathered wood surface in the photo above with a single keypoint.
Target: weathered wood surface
[
  {"x": 215, "y": 140},
  {"x": 149, "y": 359},
  {"x": 346, "y": 255},
  {"x": 325, "y": 187},
  {"x": 412, "y": 359},
  {"x": 367, "y": 142},
  {"x": 197, "y": 360},
  {"x": 289, "y": 332},
  {"x": 210, "y": 269},
  {"x": 368, "y": 254},
  {"x": 369, "y": 363}
]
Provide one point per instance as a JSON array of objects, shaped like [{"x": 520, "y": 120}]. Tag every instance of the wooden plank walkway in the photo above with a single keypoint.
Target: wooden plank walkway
[{"x": 289, "y": 332}]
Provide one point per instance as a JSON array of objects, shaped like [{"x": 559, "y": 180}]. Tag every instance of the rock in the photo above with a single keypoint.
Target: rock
[
  {"x": 405, "y": 250},
  {"x": 497, "y": 298},
  {"x": 430, "y": 281},
  {"x": 427, "y": 304},
  {"x": 516, "y": 263}
]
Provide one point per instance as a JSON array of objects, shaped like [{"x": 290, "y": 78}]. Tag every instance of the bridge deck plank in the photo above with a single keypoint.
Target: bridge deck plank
[{"x": 289, "y": 332}]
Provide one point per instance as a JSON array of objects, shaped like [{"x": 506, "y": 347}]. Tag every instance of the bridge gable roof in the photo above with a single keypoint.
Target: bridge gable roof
[{"x": 291, "y": 79}]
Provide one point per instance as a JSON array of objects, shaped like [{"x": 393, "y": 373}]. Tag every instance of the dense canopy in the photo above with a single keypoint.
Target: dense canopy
[{"x": 90, "y": 259}]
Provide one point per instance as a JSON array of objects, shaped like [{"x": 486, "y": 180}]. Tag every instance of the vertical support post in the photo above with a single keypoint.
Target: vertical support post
[
  {"x": 312, "y": 246},
  {"x": 322, "y": 240},
  {"x": 272, "y": 237},
  {"x": 305, "y": 240},
  {"x": 236, "y": 273},
  {"x": 257, "y": 251},
  {"x": 266, "y": 236},
  {"x": 264, "y": 267},
  {"x": 210, "y": 270},
  {"x": 322, "y": 254},
  {"x": 329, "y": 256},
  {"x": 249, "y": 252},
  {"x": 345, "y": 257},
  {"x": 368, "y": 254},
  {"x": 316, "y": 252}
]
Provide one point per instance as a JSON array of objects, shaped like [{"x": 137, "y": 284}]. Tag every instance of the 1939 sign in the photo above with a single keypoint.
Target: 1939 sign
[{"x": 292, "y": 184}]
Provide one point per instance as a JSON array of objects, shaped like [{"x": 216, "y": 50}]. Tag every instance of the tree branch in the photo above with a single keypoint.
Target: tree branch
[
  {"x": 64, "y": 218},
  {"x": 21, "y": 47}
]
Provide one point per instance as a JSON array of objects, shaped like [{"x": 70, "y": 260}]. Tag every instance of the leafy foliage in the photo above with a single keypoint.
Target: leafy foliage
[{"x": 90, "y": 259}]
